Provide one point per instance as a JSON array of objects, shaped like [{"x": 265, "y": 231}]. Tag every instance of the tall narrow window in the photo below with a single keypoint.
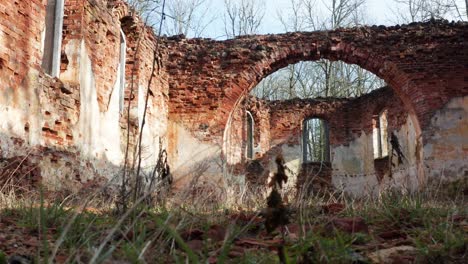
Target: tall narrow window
[
  {"x": 380, "y": 135},
  {"x": 121, "y": 70},
  {"x": 315, "y": 140},
  {"x": 53, "y": 37},
  {"x": 250, "y": 135}
]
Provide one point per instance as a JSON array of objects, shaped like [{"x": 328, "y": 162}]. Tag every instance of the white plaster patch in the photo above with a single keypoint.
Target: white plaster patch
[
  {"x": 192, "y": 156},
  {"x": 353, "y": 165},
  {"x": 357, "y": 185},
  {"x": 154, "y": 130},
  {"x": 110, "y": 132},
  {"x": 292, "y": 157},
  {"x": 98, "y": 135},
  {"x": 13, "y": 120},
  {"x": 43, "y": 35},
  {"x": 73, "y": 50},
  {"x": 446, "y": 150},
  {"x": 2, "y": 39},
  {"x": 89, "y": 121},
  {"x": 17, "y": 107},
  {"x": 356, "y": 158}
]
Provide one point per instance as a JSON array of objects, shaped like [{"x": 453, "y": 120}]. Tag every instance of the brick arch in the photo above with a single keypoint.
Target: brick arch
[
  {"x": 323, "y": 117},
  {"x": 209, "y": 78},
  {"x": 424, "y": 63},
  {"x": 374, "y": 61}
]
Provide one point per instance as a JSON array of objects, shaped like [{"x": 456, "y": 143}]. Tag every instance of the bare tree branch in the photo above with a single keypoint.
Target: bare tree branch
[{"x": 243, "y": 17}]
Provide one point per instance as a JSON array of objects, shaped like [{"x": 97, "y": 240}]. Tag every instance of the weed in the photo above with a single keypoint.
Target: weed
[{"x": 157, "y": 233}]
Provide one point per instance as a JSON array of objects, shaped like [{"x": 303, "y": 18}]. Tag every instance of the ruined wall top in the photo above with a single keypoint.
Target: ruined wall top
[{"x": 208, "y": 78}]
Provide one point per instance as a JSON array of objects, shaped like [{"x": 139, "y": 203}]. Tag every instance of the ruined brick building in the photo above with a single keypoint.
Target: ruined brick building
[{"x": 74, "y": 77}]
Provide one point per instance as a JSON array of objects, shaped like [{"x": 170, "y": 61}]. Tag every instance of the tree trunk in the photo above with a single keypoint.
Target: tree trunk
[{"x": 466, "y": 8}]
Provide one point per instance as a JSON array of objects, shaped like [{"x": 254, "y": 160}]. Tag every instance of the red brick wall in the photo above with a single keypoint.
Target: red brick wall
[
  {"x": 20, "y": 30},
  {"x": 287, "y": 118},
  {"x": 423, "y": 62},
  {"x": 347, "y": 118},
  {"x": 237, "y": 133},
  {"x": 45, "y": 111}
]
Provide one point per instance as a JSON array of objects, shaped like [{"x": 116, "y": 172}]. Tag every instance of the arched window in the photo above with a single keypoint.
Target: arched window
[
  {"x": 53, "y": 37},
  {"x": 250, "y": 135},
  {"x": 121, "y": 70},
  {"x": 380, "y": 134},
  {"x": 315, "y": 140}
]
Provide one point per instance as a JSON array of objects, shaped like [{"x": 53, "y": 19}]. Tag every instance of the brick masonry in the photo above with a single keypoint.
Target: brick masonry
[
  {"x": 199, "y": 94},
  {"x": 71, "y": 127},
  {"x": 423, "y": 62},
  {"x": 281, "y": 122}
]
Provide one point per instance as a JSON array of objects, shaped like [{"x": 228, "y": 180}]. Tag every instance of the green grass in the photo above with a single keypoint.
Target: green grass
[{"x": 435, "y": 225}]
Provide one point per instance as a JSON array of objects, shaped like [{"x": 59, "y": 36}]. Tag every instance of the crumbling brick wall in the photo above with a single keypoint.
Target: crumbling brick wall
[
  {"x": 424, "y": 63},
  {"x": 350, "y": 122},
  {"x": 71, "y": 127},
  {"x": 237, "y": 136},
  {"x": 399, "y": 54},
  {"x": 199, "y": 82}
]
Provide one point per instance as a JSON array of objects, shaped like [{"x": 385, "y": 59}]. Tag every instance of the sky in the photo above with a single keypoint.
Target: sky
[{"x": 379, "y": 12}]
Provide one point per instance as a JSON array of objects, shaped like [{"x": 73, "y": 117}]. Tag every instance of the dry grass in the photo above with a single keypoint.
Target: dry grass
[{"x": 221, "y": 223}]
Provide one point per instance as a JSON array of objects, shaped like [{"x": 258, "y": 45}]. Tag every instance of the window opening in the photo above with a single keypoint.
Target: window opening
[
  {"x": 250, "y": 135},
  {"x": 53, "y": 37},
  {"x": 121, "y": 70},
  {"x": 315, "y": 140},
  {"x": 380, "y": 135}
]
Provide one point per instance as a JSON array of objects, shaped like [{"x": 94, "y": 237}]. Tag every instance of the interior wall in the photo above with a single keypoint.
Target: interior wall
[
  {"x": 446, "y": 145},
  {"x": 74, "y": 119},
  {"x": 192, "y": 159},
  {"x": 71, "y": 127},
  {"x": 353, "y": 166}
]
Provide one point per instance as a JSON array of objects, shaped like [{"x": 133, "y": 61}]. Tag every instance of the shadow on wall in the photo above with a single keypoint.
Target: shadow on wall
[
  {"x": 353, "y": 166},
  {"x": 28, "y": 166},
  {"x": 191, "y": 159}
]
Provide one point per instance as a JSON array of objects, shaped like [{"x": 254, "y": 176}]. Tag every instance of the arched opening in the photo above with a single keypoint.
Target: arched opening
[
  {"x": 121, "y": 70},
  {"x": 276, "y": 57},
  {"x": 315, "y": 141},
  {"x": 323, "y": 133},
  {"x": 321, "y": 78},
  {"x": 235, "y": 66},
  {"x": 380, "y": 134},
  {"x": 250, "y": 135},
  {"x": 128, "y": 76},
  {"x": 52, "y": 37}
]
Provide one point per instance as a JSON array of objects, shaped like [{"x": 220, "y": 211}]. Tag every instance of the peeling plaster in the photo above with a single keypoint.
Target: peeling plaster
[
  {"x": 353, "y": 165},
  {"x": 355, "y": 158},
  {"x": 190, "y": 156},
  {"x": 16, "y": 106},
  {"x": 154, "y": 130},
  {"x": 96, "y": 131},
  {"x": 446, "y": 148}
]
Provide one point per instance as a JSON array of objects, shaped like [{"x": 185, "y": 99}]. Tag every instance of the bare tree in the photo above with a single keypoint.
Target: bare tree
[
  {"x": 320, "y": 78},
  {"x": 143, "y": 6},
  {"x": 422, "y": 10},
  {"x": 243, "y": 17},
  {"x": 294, "y": 21},
  {"x": 338, "y": 13},
  {"x": 466, "y": 8},
  {"x": 188, "y": 17}
]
